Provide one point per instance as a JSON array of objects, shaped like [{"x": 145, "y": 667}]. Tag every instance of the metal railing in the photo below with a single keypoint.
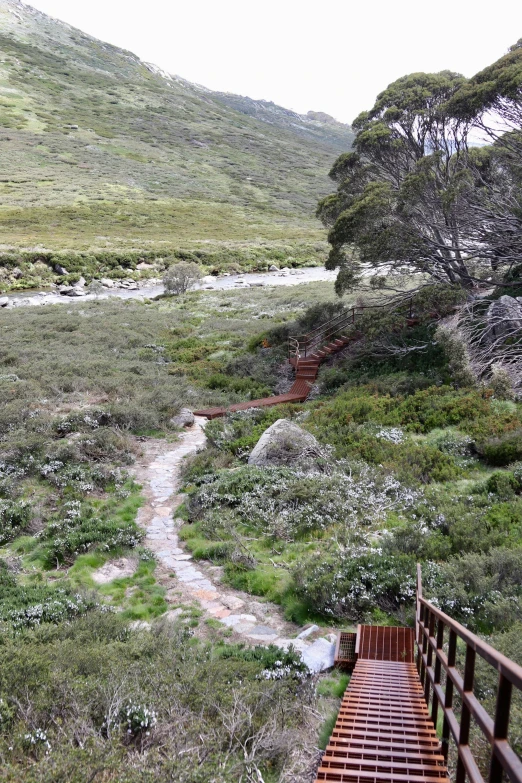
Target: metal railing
[
  {"x": 301, "y": 347},
  {"x": 437, "y": 637}
]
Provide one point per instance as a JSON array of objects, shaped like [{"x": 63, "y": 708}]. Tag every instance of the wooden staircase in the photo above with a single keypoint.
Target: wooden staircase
[
  {"x": 306, "y": 371},
  {"x": 306, "y": 353}
]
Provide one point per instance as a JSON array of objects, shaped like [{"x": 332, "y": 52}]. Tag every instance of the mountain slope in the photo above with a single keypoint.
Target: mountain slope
[{"x": 98, "y": 149}]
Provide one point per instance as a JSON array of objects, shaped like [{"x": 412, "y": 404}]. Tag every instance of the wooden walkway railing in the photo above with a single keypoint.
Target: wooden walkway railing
[
  {"x": 385, "y": 731},
  {"x": 437, "y": 637}
]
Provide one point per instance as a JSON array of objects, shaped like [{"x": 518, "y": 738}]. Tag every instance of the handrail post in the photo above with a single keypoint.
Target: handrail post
[
  {"x": 429, "y": 657},
  {"x": 500, "y": 731},
  {"x": 448, "y": 696},
  {"x": 465, "y": 715},
  {"x": 437, "y": 672},
  {"x": 418, "y": 630}
]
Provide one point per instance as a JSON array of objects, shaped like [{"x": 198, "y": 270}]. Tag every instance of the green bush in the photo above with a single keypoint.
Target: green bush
[
  {"x": 503, "y": 484},
  {"x": 28, "y": 606},
  {"x": 502, "y": 450},
  {"x": 14, "y": 519},
  {"x": 347, "y": 585},
  {"x": 482, "y": 590},
  {"x": 81, "y": 530}
]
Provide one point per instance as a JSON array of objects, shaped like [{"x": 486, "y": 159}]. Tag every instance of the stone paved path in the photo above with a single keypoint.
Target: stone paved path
[{"x": 253, "y": 622}]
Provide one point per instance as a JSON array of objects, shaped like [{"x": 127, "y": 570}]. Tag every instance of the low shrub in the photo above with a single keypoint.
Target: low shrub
[
  {"x": 81, "y": 529},
  {"x": 348, "y": 584},
  {"x": 15, "y": 517},
  {"x": 286, "y": 504},
  {"x": 483, "y": 590},
  {"x": 503, "y": 484},
  {"x": 27, "y": 606},
  {"x": 502, "y": 450}
]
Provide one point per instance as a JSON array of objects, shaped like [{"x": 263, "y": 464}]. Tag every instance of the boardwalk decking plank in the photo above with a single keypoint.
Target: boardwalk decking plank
[{"x": 383, "y": 733}]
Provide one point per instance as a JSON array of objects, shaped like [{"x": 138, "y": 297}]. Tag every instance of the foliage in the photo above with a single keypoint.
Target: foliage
[
  {"x": 285, "y": 503},
  {"x": 413, "y": 195},
  {"x": 504, "y": 449},
  {"x": 93, "y": 680},
  {"x": 348, "y": 583},
  {"x": 180, "y": 277},
  {"x": 484, "y": 590},
  {"x": 80, "y": 529},
  {"x": 14, "y": 518},
  {"x": 27, "y": 606}
]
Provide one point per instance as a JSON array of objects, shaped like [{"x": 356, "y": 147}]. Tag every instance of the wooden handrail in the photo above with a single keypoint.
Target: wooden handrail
[
  {"x": 431, "y": 625},
  {"x": 300, "y": 346}
]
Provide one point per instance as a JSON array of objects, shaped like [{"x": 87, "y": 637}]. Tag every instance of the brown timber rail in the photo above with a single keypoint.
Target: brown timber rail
[
  {"x": 303, "y": 346},
  {"x": 437, "y": 637}
]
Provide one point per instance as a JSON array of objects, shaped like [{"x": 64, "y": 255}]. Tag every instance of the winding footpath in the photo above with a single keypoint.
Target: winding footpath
[{"x": 250, "y": 621}]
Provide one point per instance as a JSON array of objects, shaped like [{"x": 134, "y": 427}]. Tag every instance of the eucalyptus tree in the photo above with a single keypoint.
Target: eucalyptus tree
[
  {"x": 492, "y": 101},
  {"x": 404, "y": 192}
]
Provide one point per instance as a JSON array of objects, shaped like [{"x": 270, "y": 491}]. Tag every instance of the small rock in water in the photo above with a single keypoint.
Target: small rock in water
[
  {"x": 4, "y": 301},
  {"x": 273, "y": 268}
]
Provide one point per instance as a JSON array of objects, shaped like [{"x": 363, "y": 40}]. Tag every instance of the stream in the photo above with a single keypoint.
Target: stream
[{"x": 151, "y": 291}]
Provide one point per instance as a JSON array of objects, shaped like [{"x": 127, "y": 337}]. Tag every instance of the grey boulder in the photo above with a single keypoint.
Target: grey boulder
[
  {"x": 504, "y": 317},
  {"x": 184, "y": 418},
  {"x": 320, "y": 656},
  {"x": 4, "y": 301},
  {"x": 285, "y": 444}
]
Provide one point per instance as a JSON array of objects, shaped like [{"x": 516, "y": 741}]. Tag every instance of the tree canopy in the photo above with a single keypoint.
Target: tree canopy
[{"x": 417, "y": 195}]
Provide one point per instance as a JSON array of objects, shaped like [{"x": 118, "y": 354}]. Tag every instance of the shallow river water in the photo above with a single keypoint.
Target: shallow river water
[{"x": 251, "y": 279}]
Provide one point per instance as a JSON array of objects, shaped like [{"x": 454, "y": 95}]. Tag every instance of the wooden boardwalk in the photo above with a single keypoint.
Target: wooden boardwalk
[
  {"x": 383, "y": 732},
  {"x": 306, "y": 373}
]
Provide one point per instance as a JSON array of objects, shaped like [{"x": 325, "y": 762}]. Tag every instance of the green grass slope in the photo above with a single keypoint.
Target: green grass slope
[{"x": 101, "y": 150}]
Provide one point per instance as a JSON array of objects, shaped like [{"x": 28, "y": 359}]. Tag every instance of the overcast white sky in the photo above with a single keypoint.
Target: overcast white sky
[{"x": 327, "y": 55}]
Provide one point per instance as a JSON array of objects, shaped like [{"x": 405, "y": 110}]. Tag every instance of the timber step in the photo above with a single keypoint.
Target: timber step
[{"x": 383, "y": 732}]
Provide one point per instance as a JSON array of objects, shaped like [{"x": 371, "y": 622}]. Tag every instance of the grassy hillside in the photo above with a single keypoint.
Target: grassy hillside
[{"x": 100, "y": 150}]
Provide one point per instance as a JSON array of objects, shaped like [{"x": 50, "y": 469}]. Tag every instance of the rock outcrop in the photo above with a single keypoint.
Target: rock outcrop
[
  {"x": 184, "y": 418},
  {"x": 285, "y": 444},
  {"x": 504, "y": 317}
]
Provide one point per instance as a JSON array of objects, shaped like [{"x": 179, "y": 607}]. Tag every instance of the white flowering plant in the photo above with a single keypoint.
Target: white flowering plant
[
  {"x": 37, "y": 741},
  {"x": 137, "y": 718},
  {"x": 79, "y": 529},
  {"x": 14, "y": 518},
  {"x": 349, "y": 582},
  {"x": 286, "y": 504}
]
